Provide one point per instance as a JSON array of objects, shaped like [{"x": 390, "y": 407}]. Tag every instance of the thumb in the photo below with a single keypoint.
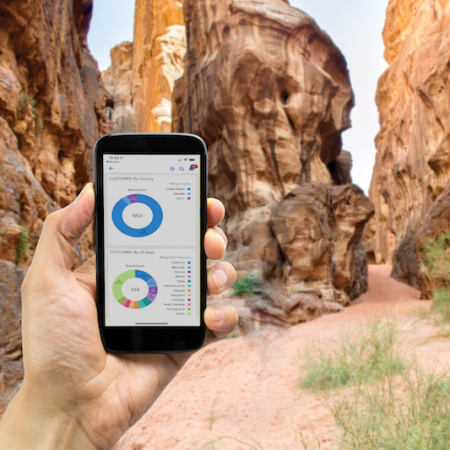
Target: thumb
[{"x": 61, "y": 231}]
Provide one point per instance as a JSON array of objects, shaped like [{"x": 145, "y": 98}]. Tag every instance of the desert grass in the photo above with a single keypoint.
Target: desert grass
[
  {"x": 360, "y": 356},
  {"x": 390, "y": 402},
  {"x": 408, "y": 411}
]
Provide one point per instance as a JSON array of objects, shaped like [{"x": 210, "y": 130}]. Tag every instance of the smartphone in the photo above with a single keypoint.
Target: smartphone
[{"x": 150, "y": 222}]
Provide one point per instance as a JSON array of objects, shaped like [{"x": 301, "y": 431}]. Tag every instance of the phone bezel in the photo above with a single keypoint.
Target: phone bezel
[{"x": 148, "y": 339}]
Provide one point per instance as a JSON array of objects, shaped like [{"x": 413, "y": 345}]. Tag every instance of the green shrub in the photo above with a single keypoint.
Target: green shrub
[
  {"x": 24, "y": 244},
  {"x": 437, "y": 262},
  {"x": 245, "y": 286},
  {"x": 32, "y": 102},
  {"x": 359, "y": 357},
  {"x": 441, "y": 303},
  {"x": 437, "y": 257}
]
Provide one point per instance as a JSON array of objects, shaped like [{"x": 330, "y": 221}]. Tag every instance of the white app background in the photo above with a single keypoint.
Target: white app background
[{"x": 152, "y": 240}]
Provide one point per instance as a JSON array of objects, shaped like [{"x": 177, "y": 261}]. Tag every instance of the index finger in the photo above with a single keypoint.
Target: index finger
[{"x": 215, "y": 212}]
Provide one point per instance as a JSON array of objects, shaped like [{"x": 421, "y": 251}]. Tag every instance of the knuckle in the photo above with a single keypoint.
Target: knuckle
[{"x": 52, "y": 219}]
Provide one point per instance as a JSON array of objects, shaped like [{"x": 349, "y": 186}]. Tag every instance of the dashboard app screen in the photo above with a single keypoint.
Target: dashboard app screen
[{"x": 152, "y": 240}]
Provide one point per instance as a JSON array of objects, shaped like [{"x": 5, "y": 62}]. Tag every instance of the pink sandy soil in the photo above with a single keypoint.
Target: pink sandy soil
[{"x": 243, "y": 393}]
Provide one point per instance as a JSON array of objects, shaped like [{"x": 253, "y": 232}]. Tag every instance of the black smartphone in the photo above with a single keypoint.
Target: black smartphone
[{"x": 150, "y": 222}]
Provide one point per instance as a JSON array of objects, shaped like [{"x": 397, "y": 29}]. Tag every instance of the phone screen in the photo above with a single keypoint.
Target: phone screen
[{"x": 152, "y": 247}]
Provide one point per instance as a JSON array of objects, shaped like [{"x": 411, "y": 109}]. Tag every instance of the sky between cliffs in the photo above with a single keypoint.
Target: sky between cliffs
[{"x": 354, "y": 25}]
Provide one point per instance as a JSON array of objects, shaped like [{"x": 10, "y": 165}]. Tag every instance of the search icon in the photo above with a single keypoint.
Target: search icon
[{"x": 181, "y": 168}]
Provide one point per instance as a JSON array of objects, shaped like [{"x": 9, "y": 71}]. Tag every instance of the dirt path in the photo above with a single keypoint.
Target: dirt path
[{"x": 247, "y": 388}]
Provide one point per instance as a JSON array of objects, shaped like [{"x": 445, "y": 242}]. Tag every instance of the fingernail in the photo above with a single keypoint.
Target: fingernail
[
  {"x": 81, "y": 193},
  {"x": 220, "y": 277},
  {"x": 223, "y": 240},
  {"x": 217, "y": 314}
]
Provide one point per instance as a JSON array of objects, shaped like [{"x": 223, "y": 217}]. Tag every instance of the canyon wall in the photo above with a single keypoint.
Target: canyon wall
[
  {"x": 52, "y": 111},
  {"x": 142, "y": 75},
  {"x": 270, "y": 94},
  {"x": 413, "y": 146}
]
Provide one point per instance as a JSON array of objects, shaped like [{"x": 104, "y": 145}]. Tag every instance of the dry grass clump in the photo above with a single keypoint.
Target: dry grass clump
[
  {"x": 359, "y": 357},
  {"x": 408, "y": 411},
  {"x": 390, "y": 403}
]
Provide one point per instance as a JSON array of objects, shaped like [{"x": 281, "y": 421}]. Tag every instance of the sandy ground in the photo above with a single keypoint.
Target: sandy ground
[{"x": 243, "y": 393}]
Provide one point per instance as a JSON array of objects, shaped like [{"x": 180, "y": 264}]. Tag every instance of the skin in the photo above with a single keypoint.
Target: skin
[{"x": 74, "y": 394}]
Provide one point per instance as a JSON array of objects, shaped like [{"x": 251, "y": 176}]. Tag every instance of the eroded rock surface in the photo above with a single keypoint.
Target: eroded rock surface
[
  {"x": 52, "y": 106},
  {"x": 270, "y": 94},
  {"x": 118, "y": 82},
  {"x": 413, "y": 159}
]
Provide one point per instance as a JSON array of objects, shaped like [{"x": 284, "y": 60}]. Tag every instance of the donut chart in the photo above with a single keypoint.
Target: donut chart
[
  {"x": 146, "y": 300},
  {"x": 119, "y": 207}
]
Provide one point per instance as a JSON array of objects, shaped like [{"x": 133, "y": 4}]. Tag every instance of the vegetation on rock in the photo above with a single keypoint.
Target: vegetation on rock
[
  {"x": 437, "y": 263},
  {"x": 24, "y": 244},
  {"x": 244, "y": 286}
]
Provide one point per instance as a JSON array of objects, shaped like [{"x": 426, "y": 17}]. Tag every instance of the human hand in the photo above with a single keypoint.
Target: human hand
[{"x": 74, "y": 394}]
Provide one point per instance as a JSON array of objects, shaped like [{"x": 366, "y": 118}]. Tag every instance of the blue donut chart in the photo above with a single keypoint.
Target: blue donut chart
[{"x": 119, "y": 207}]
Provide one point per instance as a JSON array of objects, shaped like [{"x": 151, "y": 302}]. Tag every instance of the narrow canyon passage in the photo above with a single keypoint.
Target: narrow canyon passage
[{"x": 247, "y": 388}]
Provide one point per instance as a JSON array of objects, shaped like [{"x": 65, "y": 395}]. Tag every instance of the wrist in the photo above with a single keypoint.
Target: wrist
[{"x": 30, "y": 423}]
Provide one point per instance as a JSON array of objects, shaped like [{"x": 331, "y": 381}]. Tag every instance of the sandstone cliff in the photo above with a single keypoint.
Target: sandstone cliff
[
  {"x": 142, "y": 74},
  {"x": 413, "y": 160},
  {"x": 270, "y": 94},
  {"x": 51, "y": 114}
]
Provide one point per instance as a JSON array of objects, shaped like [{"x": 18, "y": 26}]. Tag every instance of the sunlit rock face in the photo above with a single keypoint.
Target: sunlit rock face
[
  {"x": 142, "y": 74},
  {"x": 413, "y": 154},
  {"x": 52, "y": 111},
  {"x": 270, "y": 94},
  {"x": 158, "y": 51},
  {"x": 118, "y": 82}
]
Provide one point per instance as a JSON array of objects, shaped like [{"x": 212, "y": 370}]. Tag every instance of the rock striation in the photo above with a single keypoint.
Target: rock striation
[
  {"x": 413, "y": 159},
  {"x": 270, "y": 94},
  {"x": 52, "y": 110},
  {"x": 142, "y": 74}
]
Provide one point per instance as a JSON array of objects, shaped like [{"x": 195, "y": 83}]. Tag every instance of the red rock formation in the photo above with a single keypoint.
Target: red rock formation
[
  {"x": 413, "y": 160},
  {"x": 142, "y": 75},
  {"x": 270, "y": 93},
  {"x": 158, "y": 52},
  {"x": 51, "y": 114}
]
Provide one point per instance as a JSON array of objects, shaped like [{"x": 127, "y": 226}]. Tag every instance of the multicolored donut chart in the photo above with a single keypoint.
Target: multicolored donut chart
[
  {"x": 133, "y": 304},
  {"x": 117, "y": 215}
]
